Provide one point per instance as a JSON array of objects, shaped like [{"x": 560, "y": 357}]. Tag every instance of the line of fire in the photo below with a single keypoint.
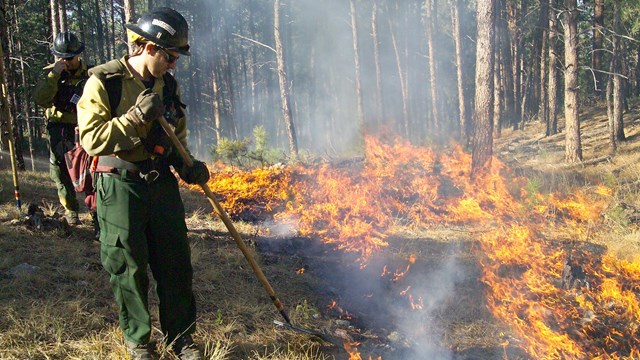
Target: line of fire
[{"x": 558, "y": 297}]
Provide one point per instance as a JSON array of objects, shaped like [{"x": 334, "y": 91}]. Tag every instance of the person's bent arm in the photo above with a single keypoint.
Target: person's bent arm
[{"x": 100, "y": 134}]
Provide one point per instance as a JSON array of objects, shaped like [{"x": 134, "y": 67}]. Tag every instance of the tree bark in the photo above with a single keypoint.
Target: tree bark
[
  {"x": 216, "y": 106},
  {"x": 282, "y": 80},
  {"x": 516, "y": 64},
  {"x": 596, "y": 53},
  {"x": 55, "y": 25},
  {"x": 25, "y": 85},
  {"x": 482, "y": 143},
  {"x": 573, "y": 145},
  {"x": 62, "y": 13},
  {"x": 616, "y": 73},
  {"x": 356, "y": 60},
  {"x": 552, "y": 116},
  {"x": 129, "y": 16},
  {"x": 99, "y": 32},
  {"x": 403, "y": 82},
  {"x": 429, "y": 20},
  {"x": 462, "y": 112},
  {"x": 613, "y": 144},
  {"x": 544, "y": 96},
  {"x": 376, "y": 60}
]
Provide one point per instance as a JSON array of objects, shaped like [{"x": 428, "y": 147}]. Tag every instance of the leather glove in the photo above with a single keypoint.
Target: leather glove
[
  {"x": 148, "y": 108},
  {"x": 196, "y": 174},
  {"x": 157, "y": 141},
  {"x": 160, "y": 146}
]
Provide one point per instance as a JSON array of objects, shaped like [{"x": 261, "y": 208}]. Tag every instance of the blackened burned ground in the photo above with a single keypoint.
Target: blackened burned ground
[{"x": 453, "y": 323}]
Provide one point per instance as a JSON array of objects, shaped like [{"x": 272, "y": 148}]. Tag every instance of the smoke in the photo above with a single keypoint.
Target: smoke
[
  {"x": 436, "y": 289},
  {"x": 234, "y": 40},
  {"x": 409, "y": 309}
]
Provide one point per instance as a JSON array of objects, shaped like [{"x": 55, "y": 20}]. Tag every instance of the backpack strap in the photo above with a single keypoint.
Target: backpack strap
[
  {"x": 170, "y": 97},
  {"x": 111, "y": 74},
  {"x": 114, "y": 91}
]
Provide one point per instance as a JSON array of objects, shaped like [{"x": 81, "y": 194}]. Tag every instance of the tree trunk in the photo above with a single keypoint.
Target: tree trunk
[
  {"x": 497, "y": 96},
  {"x": 62, "y": 12},
  {"x": 429, "y": 20},
  {"x": 552, "y": 116},
  {"x": 637, "y": 75},
  {"x": 112, "y": 37},
  {"x": 544, "y": 96},
  {"x": 505, "y": 47},
  {"x": 216, "y": 106},
  {"x": 26, "y": 97},
  {"x": 573, "y": 145},
  {"x": 596, "y": 53},
  {"x": 403, "y": 82},
  {"x": 12, "y": 83},
  {"x": 81, "y": 20},
  {"x": 129, "y": 16},
  {"x": 282, "y": 80},
  {"x": 99, "y": 32},
  {"x": 482, "y": 143},
  {"x": 356, "y": 60},
  {"x": 462, "y": 112},
  {"x": 613, "y": 144},
  {"x": 516, "y": 64},
  {"x": 376, "y": 60},
  {"x": 618, "y": 94},
  {"x": 55, "y": 27}
]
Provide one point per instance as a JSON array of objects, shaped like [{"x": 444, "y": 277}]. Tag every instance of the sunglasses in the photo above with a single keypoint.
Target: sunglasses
[{"x": 170, "y": 58}]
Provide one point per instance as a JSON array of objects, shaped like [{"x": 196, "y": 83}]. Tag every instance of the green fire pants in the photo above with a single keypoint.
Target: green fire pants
[
  {"x": 61, "y": 139},
  {"x": 143, "y": 224}
]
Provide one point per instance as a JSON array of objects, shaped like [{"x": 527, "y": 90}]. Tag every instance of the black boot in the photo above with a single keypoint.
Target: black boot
[{"x": 96, "y": 225}]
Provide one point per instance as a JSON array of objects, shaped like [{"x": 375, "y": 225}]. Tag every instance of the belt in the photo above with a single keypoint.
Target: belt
[{"x": 125, "y": 169}]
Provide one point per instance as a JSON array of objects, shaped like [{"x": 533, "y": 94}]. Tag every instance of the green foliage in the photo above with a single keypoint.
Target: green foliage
[
  {"x": 231, "y": 151},
  {"x": 610, "y": 180},
  {"x": 533, "y": 189},
  {"x": 618, "y": 216},
  {"x": 240, "y": 153},
  {"x": 306, "y": 311},
  {"x": 219, "y": 320}
]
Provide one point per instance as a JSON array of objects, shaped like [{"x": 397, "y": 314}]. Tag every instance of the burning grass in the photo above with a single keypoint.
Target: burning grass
[{"x": 353, "y": 210}]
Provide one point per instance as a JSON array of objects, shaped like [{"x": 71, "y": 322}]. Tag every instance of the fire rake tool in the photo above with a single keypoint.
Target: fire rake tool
[{"x": 238, "y": 239}]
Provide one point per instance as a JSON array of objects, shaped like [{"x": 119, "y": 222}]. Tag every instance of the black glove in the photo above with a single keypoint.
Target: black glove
[
  {"x": 148, "y": 108},
  {"x": 158, "y": 142},
  {"x": 161, "y": 146},
  {"x": 196, "y": 174}
]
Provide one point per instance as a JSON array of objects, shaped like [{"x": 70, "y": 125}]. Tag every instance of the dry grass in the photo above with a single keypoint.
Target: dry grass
[
  {"x": 541, "y": 160},
  {"x": 65, "y": 308}
]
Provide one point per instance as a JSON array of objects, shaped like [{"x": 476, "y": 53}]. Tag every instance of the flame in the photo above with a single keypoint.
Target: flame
[{"x": 354, "y": 207}]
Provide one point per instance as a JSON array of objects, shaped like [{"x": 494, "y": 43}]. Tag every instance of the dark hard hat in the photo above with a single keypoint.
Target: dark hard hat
[
  {"x": 165, "y": 27},
  {"x": 66, "y": 45}
]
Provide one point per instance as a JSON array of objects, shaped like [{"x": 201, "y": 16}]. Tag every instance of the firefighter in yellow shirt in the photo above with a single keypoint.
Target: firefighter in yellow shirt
[
  {"x": 141, "y": 214},
  {"x": 58, "y": 91}
]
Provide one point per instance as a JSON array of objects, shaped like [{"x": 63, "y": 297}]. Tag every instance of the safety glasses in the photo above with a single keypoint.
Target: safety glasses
[{"x": 170, "y": 58}]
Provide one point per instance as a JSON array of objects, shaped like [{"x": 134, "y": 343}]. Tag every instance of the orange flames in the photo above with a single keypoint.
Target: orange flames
[{"x": 354, "y": 207}]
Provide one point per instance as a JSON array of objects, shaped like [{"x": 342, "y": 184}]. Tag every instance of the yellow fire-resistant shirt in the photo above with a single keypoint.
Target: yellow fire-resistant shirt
[
  {"x": 47, "y": 88},
  {"x": 103, "y": 132}
]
